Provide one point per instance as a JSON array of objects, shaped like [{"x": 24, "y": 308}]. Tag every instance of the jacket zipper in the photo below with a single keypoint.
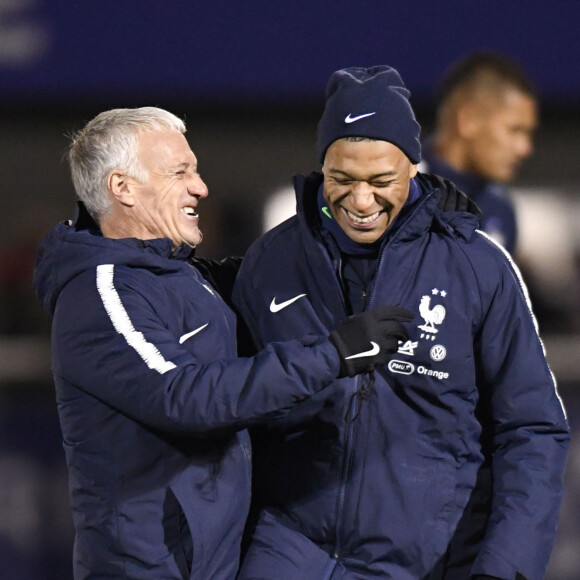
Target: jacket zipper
[
  {"x": 346, "y": 463},
  {"x": 371, "y": 294},
  {"x": 348, "y": 440},
  {"x": 354, "y": 408},
  {"x": 336, "y": 267}
]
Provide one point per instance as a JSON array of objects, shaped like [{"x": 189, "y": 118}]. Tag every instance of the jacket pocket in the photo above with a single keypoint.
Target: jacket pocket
[
  {"x": 154, "y": 532},
  {"x": 430, "y": 492},
  {"x": 279, "y": 552}
]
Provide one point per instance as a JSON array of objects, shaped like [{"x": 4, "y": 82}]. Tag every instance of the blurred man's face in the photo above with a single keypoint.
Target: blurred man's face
[
  {"x": 502, "y": 136},
  {"x": 166, "y": 202},
  {"x": 366, "y": 183}
]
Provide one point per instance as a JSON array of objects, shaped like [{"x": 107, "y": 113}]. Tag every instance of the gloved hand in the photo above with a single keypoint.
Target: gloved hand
[
  {"x": 366, "y": 340},
  {"x": 452, "y": 199}
]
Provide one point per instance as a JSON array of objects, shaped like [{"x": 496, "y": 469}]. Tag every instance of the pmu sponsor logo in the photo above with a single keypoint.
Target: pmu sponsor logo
[
  {"x": 402, "y": 367},
  {"x": 406, "y": 368}
]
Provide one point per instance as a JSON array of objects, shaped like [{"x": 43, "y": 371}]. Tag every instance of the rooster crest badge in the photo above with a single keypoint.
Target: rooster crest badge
[{"x": 431, "y": 316}]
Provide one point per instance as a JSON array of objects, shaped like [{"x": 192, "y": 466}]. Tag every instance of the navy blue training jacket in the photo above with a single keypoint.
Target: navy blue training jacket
[
  {"x": 152, "y": 404},
  {"x": 492, "y": 197},
  {"x": 373, "y": 481}
]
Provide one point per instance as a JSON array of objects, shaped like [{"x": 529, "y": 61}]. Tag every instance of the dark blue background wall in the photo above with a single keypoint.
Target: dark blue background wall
[{"x": 266, "y": 51}]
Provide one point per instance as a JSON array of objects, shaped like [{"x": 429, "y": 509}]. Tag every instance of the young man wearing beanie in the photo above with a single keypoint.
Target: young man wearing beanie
[{"x": 380, "y": 479}]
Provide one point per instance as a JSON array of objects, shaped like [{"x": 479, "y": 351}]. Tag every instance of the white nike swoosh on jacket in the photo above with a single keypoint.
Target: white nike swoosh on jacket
[
  {"x": 277, "y": 307},
  {"x": 184, "y": 337}
]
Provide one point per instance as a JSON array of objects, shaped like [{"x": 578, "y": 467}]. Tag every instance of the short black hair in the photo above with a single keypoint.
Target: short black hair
[{"x": 484, "y": 66}]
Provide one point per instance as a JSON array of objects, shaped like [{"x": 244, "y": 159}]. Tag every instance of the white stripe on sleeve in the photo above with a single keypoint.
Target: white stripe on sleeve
[
  {"x": 524, "y": 289},
  {"x": 123, "y": 325}
]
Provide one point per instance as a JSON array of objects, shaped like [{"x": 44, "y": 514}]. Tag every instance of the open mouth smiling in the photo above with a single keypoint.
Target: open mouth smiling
[
  {"x": 365, "y": 221},
  {"x": 189, "y": 211}
]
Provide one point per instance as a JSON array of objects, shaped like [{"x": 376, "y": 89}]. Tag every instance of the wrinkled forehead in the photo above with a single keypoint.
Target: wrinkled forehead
[{"x": 165, "y": 148}]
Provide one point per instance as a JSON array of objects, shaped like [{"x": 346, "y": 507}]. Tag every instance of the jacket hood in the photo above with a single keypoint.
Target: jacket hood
[
  {"x": 463, "y": 223},
  {"x": 74, "y": 246}
]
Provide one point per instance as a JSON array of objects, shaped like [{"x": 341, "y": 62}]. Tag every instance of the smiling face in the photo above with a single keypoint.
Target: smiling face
[
  {"x": 366, "y": 183},
  {"x": 164, "y": 205}
]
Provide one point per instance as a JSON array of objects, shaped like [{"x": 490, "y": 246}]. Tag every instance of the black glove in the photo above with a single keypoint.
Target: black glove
[
  {"x": 366, "y": 340},
  {"x": 452, "y": 199}
]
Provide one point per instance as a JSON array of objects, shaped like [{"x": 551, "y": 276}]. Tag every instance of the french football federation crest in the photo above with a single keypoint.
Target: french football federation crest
[{"x": 432, "y": 315}]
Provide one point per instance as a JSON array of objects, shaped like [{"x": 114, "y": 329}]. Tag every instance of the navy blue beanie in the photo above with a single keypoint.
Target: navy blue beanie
[{"x": 369, "y": 102}]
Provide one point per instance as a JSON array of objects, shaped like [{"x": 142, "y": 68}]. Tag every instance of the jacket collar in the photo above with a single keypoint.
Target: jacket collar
[{"x": 83, "y": 221}]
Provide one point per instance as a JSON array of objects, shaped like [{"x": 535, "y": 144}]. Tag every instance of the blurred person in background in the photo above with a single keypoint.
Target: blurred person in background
[
  {"x": 151, "y": 399},
  {"x": 383, "y": 479},
  {"x": 487, "y": 113}
]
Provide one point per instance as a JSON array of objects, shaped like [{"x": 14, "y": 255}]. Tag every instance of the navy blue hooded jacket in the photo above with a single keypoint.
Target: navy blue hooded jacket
[
  {"x": 373, "y": 482},
  {"x": 499, "y": 217},
  {"x": 152, "y": 404}
]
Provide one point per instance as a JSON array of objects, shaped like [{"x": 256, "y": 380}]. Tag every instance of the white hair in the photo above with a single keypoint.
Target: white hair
[{"x": 111, "y": 141}]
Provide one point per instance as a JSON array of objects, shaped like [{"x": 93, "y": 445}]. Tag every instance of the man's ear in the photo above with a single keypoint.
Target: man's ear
[{"x": 119, "y": 184}]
